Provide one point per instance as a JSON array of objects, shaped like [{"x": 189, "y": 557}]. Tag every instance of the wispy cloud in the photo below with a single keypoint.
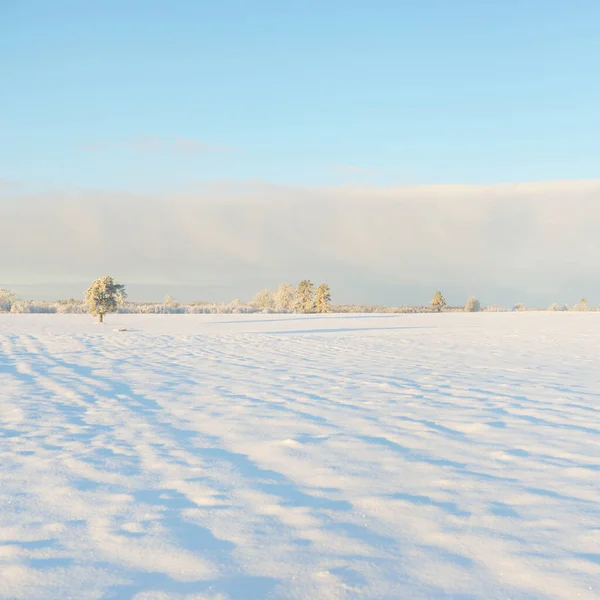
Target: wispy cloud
[
  {"x": 147, "y": 144},
  {"x": 7, "y": 184},
  {"x": 191, "y": 145},
  {"x": 93, "y": 147},
  {"x": 181, "y": 144},
  {"x": 355, "y": 170}
]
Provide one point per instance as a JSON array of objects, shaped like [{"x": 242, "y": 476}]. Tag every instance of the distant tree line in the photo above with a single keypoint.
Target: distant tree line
[{"x": 105, "y": 295}]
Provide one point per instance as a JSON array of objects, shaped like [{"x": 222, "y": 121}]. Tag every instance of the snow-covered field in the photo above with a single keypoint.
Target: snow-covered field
[{"x": 274, "y": 456}]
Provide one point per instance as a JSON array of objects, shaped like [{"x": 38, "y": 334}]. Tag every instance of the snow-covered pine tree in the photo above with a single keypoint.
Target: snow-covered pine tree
[
  {"x": 438, "y": 301},
  {"x": 322, "y": 302},
  {"x": 304, "y": 296},
  {"x": 472, "y": 305},
  {"x": 104, "y": 296}
]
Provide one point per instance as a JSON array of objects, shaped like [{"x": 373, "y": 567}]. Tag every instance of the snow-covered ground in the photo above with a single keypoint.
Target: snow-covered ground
[{"x": 274, "y": 456}]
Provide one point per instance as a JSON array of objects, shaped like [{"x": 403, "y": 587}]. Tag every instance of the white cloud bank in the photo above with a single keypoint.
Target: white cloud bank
[{"x": 531, "y": 242}]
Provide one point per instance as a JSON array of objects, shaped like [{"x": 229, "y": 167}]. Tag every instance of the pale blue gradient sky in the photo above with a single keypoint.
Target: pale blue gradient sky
[
  {"x": 110, "y": 110},
  {"x": 309, "y": 93}
]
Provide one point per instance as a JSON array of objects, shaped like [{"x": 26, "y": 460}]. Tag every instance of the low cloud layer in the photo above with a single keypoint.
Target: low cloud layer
[{"x": 532, "y": 242}]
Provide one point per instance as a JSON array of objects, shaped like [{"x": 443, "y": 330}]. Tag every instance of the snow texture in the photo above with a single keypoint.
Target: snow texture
[{"x": 309, "y": 457}]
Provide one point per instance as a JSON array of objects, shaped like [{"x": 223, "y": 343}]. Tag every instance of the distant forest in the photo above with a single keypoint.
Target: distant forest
[{"x": 303, "y": 298}]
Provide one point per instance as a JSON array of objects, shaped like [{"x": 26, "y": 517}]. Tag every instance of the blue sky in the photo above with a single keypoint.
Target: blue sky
[
  {"x": 316, "y": 118},
  {"x": 154, "y": 95}
]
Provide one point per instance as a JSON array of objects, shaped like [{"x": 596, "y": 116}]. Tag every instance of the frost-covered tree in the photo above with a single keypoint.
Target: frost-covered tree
[
  {"x": 235, "y": 306},
  {"x": 264, "y": 299},
  {"x": 322, "y": 302},
  {"x": 519, "y": 307},
  {"x": 169, "y": 306},
  {"x": 583, "y": 305},
  {"x": 284, "y": 297},
  {"x": 104, "y": 296},
  {"x": 558, "y": 307},
  {"x": 6, "y": 300},
  {"x": 438, "y": 301},
  {"x": 305, "y": 296},
  {"x": 472, "y": 305}
]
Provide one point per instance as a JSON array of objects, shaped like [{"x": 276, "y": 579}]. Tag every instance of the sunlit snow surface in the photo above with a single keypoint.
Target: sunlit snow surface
[{"x": 273, "y": 456}]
